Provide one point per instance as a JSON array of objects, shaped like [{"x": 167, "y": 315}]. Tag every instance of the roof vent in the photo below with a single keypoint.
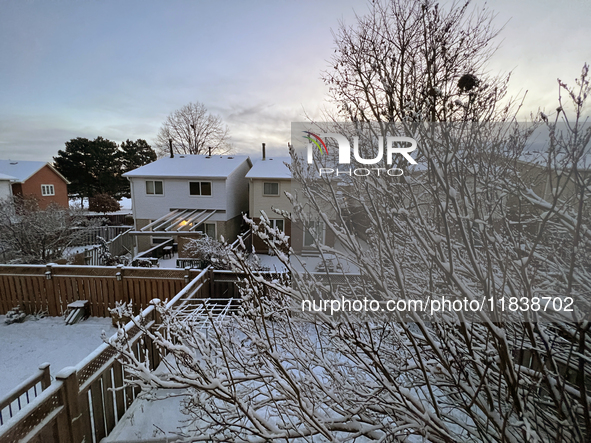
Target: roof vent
[
  {"x": 230, "y": 158},
  {"x": 182, "y": 156},
  {"x": 13, "y": 162},
  {"x": 208, "y": 156}
]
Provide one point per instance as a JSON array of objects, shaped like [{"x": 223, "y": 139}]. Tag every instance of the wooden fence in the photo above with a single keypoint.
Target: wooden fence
[
  {"x": 85, "y": 402},
  {"x": 49, "y": 288}
]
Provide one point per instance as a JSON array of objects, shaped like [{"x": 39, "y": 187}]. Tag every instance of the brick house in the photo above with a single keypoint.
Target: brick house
[{"x": 37, "y": 179}]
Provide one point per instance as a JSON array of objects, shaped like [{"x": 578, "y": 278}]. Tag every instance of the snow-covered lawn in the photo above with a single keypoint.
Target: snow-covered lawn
[{"x": 24, "y": 346}]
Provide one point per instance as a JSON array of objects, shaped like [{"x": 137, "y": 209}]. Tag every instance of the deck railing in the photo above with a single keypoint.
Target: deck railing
[{"x": 24, "y": 393}]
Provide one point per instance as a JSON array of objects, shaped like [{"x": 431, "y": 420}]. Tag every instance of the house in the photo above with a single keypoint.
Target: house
[
  {"x": 37, "y": 179},
  {"x": 188, "y": 195},
  {"x": 269, "y": 180}
]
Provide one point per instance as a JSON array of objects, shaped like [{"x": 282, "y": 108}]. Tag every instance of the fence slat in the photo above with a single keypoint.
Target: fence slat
[
  {"x": 98, "y": 412},
  {"x": 119, "y": 394},
  {"x": 108, "y": 401},
  {"x": 84, "y": 424}
]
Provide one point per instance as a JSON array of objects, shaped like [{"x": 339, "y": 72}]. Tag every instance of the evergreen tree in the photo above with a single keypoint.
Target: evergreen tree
[
  {"x": 95, "y": 166},
  {"x": 133, "y": 155}
]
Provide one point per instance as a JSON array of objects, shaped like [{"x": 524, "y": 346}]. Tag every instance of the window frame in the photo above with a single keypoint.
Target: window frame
[
  {"x": 159, "y": 240},
  {"x": 154, "y": 187},
  {"x": 48, "y": 187},
  {"x": 200, "y": 188},
  {"x": 274, "y": 223},
  {"x": 272, "y": 195},
  {"x": 321, "y": 240}
]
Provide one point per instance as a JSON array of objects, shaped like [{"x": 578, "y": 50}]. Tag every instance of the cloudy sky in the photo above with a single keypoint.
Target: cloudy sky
[{"x": 117, "y": 68}]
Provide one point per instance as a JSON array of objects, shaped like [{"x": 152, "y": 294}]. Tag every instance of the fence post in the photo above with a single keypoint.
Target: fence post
[
  {"x": 46, "y": 379},
  {"x": 187, "y": 275},
  {"x": 52, "y": 302},
  {"x": 69, "y": 380},
  {"x": 120, "y": 285},
  {"x": 211, "y": 283}
]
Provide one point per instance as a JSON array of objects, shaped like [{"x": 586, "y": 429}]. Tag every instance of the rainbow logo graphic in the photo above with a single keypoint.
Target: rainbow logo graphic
[{"x": 309, "y": 137}]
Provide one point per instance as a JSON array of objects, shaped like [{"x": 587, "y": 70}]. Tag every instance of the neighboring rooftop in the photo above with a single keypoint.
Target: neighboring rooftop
[
  {"x": 271, "y": 168},
  {"x": 21, "y": 170},
  {"x": 191, "y": 166},
  {"x": 7, "y": 177}
]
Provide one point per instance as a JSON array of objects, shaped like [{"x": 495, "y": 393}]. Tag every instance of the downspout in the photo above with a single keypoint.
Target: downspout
[{"x": 135, "y": 247}]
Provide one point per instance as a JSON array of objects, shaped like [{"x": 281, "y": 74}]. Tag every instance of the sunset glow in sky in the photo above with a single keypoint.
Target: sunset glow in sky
[{"x": 118, "y": 68}]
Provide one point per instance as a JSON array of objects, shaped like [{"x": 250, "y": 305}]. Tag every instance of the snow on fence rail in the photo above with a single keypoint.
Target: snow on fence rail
[
  {"x": 86, "y": 401},
  {"x": 50, "y": 288}
]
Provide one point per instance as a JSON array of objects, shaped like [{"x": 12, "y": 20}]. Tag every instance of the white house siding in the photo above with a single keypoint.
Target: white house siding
[
  {"x": 5, "y": 189},
  {"x": 237, "y": 192},
  {"x": 176, "y": 196},
  {"x": 260, "y": 202}
]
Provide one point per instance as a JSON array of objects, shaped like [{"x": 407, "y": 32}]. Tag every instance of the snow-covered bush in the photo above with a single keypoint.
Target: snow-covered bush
[
  {"x": 210, "y": 251},
  {"x": 15, "y": 315},
  {"x": 103, "y": 203},
  {"x": 29, "y": 234},
  {"x": 108, "y": 259}
]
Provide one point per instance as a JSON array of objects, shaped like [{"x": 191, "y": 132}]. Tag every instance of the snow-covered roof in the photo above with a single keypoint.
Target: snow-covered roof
[
  {"x": 6, "y": 177},
  {"x": 191, "y": 166},
  {"x": 271, "y": 168},
  {"x": 21, "y": 170}
]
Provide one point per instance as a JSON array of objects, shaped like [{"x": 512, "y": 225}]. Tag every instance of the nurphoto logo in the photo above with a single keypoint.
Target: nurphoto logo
[{"x": 394, "y": 145}]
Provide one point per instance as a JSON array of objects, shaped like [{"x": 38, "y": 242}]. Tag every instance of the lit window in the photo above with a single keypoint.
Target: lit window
[
  {"x": 199, "y": 188},
  {"x": 154, "y": 187},
  {"x": 47, "y": 190},
  {"x": 271, "y": 188}
]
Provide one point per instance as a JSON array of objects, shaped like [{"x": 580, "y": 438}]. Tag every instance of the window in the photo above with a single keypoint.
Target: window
[
  {"x": 313, "y": 233},
  {"x": 47, "y": 190},
  {"x": 208, "y": 229},
  {"x": 200, "y": 188},
  {"x": 154, "y": 187},
  {"x": 270, "y": 188},
  {"x": 159, "y": 240},
  {"x": 277, "y": 224}
]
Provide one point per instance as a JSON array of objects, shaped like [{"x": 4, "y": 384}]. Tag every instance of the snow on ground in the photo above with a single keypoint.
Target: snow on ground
[
  {"x": 24, "y": 346},
  {"x": 150, "y": 421},
  {"x": 271, "y": 263},
  {"x": 168, "y": 262},
  {"x": 124, "y": 202}
]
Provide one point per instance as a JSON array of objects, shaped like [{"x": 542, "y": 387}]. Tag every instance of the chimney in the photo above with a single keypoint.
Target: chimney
[
  {"x": 264, "y": 157},
  {"x": 170, "y": 145}
]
